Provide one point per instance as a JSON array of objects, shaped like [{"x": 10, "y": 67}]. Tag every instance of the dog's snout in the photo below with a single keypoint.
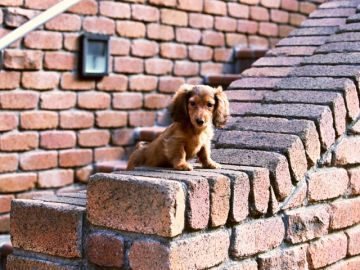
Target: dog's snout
[{"x": 200, "y": 122}]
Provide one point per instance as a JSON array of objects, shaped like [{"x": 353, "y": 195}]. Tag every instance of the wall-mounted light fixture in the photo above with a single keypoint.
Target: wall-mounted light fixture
[{"x": 95, "y": 55}]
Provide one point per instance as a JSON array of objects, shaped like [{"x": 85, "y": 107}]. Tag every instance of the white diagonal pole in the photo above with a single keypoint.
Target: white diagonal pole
[{"x": 36, "y": 22}]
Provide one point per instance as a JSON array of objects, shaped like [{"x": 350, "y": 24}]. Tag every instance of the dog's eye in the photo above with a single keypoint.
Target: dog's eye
[
  {"x": 210, "y": 105},
  {"x": 192, "y": 103}
]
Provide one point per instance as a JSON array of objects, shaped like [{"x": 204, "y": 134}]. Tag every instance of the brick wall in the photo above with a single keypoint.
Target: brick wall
[
  {"x": 287, "y": 196},
  {"x": 54, "y": 126}
]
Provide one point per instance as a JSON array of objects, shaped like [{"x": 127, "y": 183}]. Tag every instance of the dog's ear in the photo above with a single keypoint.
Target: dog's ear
[
  {"x": 221, "y": 111},
  {"x": 178, "y": 106}
]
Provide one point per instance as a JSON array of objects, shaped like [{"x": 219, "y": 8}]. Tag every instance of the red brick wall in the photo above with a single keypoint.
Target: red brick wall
[{"x": 53, "y": 125}]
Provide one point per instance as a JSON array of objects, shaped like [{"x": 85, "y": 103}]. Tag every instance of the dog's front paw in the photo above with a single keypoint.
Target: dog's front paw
[
  {"x": 211, "y": 165},
  {"x": 184, "y": 167}
]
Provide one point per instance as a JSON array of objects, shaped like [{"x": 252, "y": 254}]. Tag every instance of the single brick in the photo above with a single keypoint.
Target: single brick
[
  {"x": 196, "y": 252},
  {"x": 173, "y": 51},
  {"x": 108, "y": 119},
  {"x": 353, "y": 235},
  {"x": 8, "y": 121},
  {"x": 213, "y": 39},
  {"x": 75, "y": 157},
  {"x": 5, "y": 203},
  {"x": 186, "y": 68},
  {"x": 170, "y": 84},
  {"x": 8, "y": 162},
  {"x": 23, "y": 59},
  {"x": 141, "y": 118},
  {"x": 60, "y": 226},
  {"x": 289, "y": 258},
  {"x": 109, "y": 153},
  {"x": 245, "y": 26},
  {"x": 130, "y": 29},
  {"x": 57, "y": 139},
  {"x": 19, "y": 100},
  {"x": 307, "y": 223},
  {"x": 5, "y": 223},
  {"x": 154, "y": 194},
  {"x": 128, "y": 65},
  {"x": 215, "y": 7},
  {"x": 144, "y": 48},
  {"x": 327, "y": 184},
  {"x": 327, "y": 250},
  {"x": 347, "y": 151},
  {"x": 105, "y": 249},
  {"x": 119, "y": 46},
  {"x": 85, "y": 7},
  {"x": 43, "y": 40},
  {"x": 39, "y": 120},
  {"x": 19, "y": 141},
  {"x": 17, "y": 182},
  {"x": 56, "y": 100},
  {"x": 60, "y": 61},
  {"x": 187, "y": 35},
  {"x": 76, "y": 119},
  {"x": 116, "y": 83},
  {"x": 354, "y": 175},
  {"x": 145, "y": 13},
  {"x": 156, "y": 101},
  {"x": 64, "y": 22},
  {"x": 115, "y": 10},
  {"x": 143, "y": 83},
  {"x": 190, "y": 5},
  {"x": 93, "y": 138},
  {"x": 200, "y": 53},
  {"x": 70, "y": 81},
  {"x": 40, "y": 80},
  {"x": 259, "y": 13},
  {"x": 38, "y": 160},
  {"x": 257, "y": 236},
  {"x": 20, "y": 263},
  {"x": 345, "y": 213},
  {"x": 99, "y": 25},
  {"x": 123, "y": 137},
  {"x": 158, "y": 66},
  {"x": 174, "y": 17},
  {"x": 160, "y": 32},
  {"x": 127, "y": 100},
  {"x": 201, "y": 21},
  {"x": 238, "y": 10},
  {"x": 55, "y": 178},
  {"x": 93, "y": 100}
]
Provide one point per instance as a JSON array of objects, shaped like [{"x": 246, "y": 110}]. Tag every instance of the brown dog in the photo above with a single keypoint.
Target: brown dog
[{"x": 195, "y": 109}]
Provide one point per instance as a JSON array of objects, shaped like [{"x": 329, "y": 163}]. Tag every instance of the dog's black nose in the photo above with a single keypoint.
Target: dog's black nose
[{"x": 200, "y": 122}]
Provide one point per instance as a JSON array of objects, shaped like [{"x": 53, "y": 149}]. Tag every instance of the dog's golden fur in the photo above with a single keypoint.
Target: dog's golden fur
[{"x": 195, "y": 110}]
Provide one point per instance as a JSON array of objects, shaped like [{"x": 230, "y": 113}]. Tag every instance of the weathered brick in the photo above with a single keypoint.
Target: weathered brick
[
  {"x": 20, "y": 263},
  {"x": 143, "y": 83},
  {"x": 70, "y": 81},
  {"x": 8, "y": 163},
  {"x": 184, "y": 253},
  {"x": 130, "y": 29},
  {"x": 38, "y": 4},
  {"x": 38, "y": 160},
  {"x": 160, "y": 32},
  {"x": 307, "y": 223},
  {"x": 71, "y": 42},
  {"x": 75, "y": 157},
  {"x": 4, "y": 223},
  {"x": 145, "y": 13},
  {"x": 8, "y": 121},
  {"x": 57, "y": 139},
  {"x": 109, "y": 153},
  {"x": 349, "y": 264},
  {"x": 9, "y": 80},
  {"x": 158, "y": 66},
  {"x": 55, "y": 178},
  {"x": 92, "y": 138},
  {"x": 345, "y": 213},
  {"x": 353, "y": 235},
  {"x": 105, "y": 249},
  {"x": 17, "y": 182},
  {"x": 128, "y": 65},
  {"x": 327, "y": 183},
  {"x": 156, "y": 101},
  {"x": 14, "y": 17},
  {"x": 141, "y": 118},
  {"x": 144, "y": 48},
  {"x": 174, "y": 17},
  {"x": 127, "y": 101},
  {"x": 39, "y": 120},
  {"x": 5, "y": 203},
  {"x": 187, "y": 35},
  {"x": 347, "y": 151},
  {"x": 19, "y": 141},
  {"x": 40, "y": 80},
  {"x": 186, "y": 68},
  {"x": 238, "y": 10},
  {"x": 64, "y": 22},
  {"x": 327, "y": 250},
  {"x": 200, "y": 53},
  {"x": 113, "y": 83},
  {"x": 110, "y": 212},
  {"x": 19, "y": 100},
  {"x": 170, "y": 84},
  {"x": 173, "y": 51},
  {"x": 257, "y": 236},
  {"x": 59, "y": 61},
  {"x": 23, "y": 59},
  {"x": 354, "y": 175},
  {"x": 245, "y": 26},
  {"x": 202, "y": 21},
  {"x": 57, "y": 100},
  {"x": 99, "y": 25},
  {"x": 108, "y": 119},
  {"x": 289, "y": 258},
  {"x": 115, "y": 10},
  {"x": 43, "y": 40},
  {"x": 56, "y": 221},
  {"x": 268, "y": 29},
  {"x": 191, "y": 5},
  {"x": 85, "y": 7},
  {"x": 215, "y": 7},
  {"x": 225, "y": 24},
  {"x": 93, "y": 100},
  {"x": 259, "y": 13},
  {"x": 212, "y": 38}
]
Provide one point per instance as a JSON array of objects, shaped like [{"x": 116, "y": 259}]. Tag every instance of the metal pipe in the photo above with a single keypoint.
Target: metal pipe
[{"x": 34, "y": 23}]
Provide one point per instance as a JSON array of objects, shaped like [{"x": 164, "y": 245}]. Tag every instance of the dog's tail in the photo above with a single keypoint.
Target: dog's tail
[{"x": 137, "y": 157}]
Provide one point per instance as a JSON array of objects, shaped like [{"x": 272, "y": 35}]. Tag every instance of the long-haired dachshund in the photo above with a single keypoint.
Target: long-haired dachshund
[{"x": 195, "y": 110}]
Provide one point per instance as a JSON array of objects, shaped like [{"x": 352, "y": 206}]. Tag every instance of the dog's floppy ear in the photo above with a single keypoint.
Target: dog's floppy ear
[
  {"x": 221, "y": 112},
  {"x": 178, "y": 106}
]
